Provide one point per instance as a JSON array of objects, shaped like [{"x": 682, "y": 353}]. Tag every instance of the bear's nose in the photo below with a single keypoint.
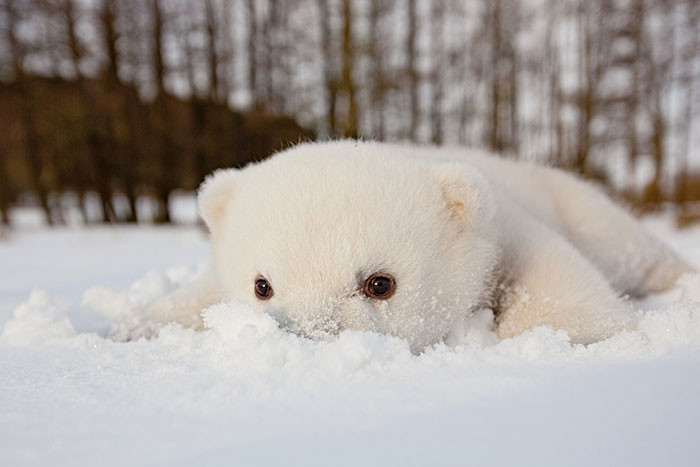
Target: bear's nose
[
  {"x": 315, "y": 328},
  {"x": 313, "y": 322}
]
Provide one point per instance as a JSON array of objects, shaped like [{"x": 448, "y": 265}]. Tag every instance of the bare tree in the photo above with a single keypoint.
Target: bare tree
[
  {"x": 212, "y": 52},
  {"x": 16, "y": 51},
  {"x": 379, "y": 81},
  {"x": 330, "y": 80},
  {"x": 437, "y": 19},
  {"x": 589, "y": 75},
  {"x": 689, "y": 77},
  {"x": 252, "y": 49},
  {"x": 657, "y": 61},
  {"x": 499, "y": 27},
  {"x": 162, "y": 185},
  {"x": 411, "y": 70},
  {"x": 552, "y": 65},
  {"x": 347, "y": 81}
]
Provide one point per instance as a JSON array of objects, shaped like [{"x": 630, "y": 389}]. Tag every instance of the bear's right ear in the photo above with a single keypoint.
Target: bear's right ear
[{"x": 213, "y": 194}]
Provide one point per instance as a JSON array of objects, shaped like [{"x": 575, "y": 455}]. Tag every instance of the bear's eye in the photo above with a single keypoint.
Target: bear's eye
[
  {"x": 263, "y": 290},
  {"x": 379, "y": 286}
]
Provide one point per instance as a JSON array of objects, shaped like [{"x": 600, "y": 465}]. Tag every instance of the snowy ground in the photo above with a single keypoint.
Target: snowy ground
[{"x": 247, "y": 393}]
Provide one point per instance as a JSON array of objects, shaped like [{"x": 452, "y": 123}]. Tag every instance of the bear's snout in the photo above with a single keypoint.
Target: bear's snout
[{"x": 325, "y": 320}]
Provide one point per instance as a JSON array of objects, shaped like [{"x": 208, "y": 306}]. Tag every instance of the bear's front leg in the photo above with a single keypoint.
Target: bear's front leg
[
  {"x": 185, "y": 304},
  {"x": 547, "y": 282}
]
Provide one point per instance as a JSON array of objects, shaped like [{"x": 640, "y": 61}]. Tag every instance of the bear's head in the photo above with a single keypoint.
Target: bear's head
[{"x": 334, "y": 236}]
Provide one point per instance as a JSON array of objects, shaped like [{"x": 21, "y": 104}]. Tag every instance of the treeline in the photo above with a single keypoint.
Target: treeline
[
  {"x": 100, "y": 137},
  {"x": 103, "y": 135},
  {"x": 606, "y": 88}
]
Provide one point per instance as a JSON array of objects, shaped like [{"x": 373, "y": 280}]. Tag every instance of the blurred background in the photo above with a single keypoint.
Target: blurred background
[{"x": 109, "y": 108}]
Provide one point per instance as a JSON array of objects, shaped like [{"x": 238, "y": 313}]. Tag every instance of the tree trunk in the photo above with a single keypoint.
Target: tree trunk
[
  {"x": 585, "y": 115},
  {"x": 82, "y": 207},
  {"x": 252, "y": 54},
  {"x": 34, "y": 162},
  {"x": 586, "y": 96},
  {"x": 28, "y": 127},
  {"x": 166, "y": 147},
  {"x": 688, "y": 80},
  {"x": 158, "y": 63},
  {"x": 379, "y": 80},
  {"x": 438, "y": 68},
  {"x": 654, "y": 193},
  {"x": 162, "y": 215},
  {"x": 131, "y": 198},
  {"x": 347, "y": 79},
  {"x": 411, "y": 71},
  {"x": 4, "y": 193},
  {"x": 109, "y": 20},
  {"x": 329, "y": 78},
  {"x": 131, "y": 180},
  {"x": 108, "y": 214},
  {"x": 212, "y": 54},
  {"x": 493, "y": 23}
]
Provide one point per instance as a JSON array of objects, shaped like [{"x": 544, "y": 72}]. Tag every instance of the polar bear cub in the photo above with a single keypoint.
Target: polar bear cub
[{"x": 407, "y": 240}]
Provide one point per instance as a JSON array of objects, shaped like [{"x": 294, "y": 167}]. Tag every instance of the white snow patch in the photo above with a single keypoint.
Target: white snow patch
[
  {"x": 690, "y": 287},
  {"x": 246, "y": 392},
  {"x": 37, "y": 321}
]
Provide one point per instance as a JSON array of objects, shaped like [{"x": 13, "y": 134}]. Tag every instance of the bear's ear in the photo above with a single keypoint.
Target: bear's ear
[
  {"x": 216, "y": 190},
  {"x": 465, "y": 192}
]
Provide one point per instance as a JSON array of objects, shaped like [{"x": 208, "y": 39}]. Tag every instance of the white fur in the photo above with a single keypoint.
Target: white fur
[{"x": 458, "y": 229}]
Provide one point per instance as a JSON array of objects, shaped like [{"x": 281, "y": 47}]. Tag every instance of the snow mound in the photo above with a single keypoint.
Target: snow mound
[
  {"x": 78, "y": 388},
  {"x": 37, "y": 321},
  {"x": 690, "y": 287},
  {"x": 235, "y": 329}
]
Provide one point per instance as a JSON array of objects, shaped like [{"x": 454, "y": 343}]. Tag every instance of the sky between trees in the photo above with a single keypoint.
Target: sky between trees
[{"x": 606, "y": 88}]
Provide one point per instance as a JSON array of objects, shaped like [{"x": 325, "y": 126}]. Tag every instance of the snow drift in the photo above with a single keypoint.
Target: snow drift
[{"x": 246, "y": 392}]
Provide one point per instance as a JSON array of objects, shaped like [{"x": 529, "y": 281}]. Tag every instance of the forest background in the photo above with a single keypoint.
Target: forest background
[{"x": 105, "y": 103}]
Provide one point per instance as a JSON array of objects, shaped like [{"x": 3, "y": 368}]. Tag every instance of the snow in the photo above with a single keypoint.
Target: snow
[{"x": 245, "y": 392}]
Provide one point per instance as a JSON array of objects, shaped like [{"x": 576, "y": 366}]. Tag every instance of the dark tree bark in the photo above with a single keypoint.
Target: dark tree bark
[
  {"x": 212, "y": 54},
  {"x": 4, "y": 190},
  {"x": 251, "y": 41},
  {"x": 688, "y": 81},
  {"x": 165, "y": 144},
  {"x": 439, "y": 66},
  {"x": 347, "y": 78},
  {"x": 411, "y": 70},
  {"x": 29, "y": 127},
  {"x": 586, "y": 98},
  {"x": 379, "y": 81},
  {"x": 329, "y": 77}
]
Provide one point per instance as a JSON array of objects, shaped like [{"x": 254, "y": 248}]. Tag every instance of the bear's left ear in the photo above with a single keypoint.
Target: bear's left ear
[
  {"x": 213, "y": 195},
  {"x": 466, "y": 193}
]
